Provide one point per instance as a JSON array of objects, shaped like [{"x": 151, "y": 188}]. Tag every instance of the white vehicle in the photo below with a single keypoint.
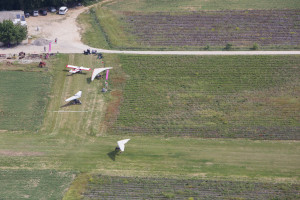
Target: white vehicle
[
  {"x": 63, "y": 10},
  {"x": 76, "y": 69},
  {"x": 75, "y": 98},
  {"x": 98, "y": 71},
  {"x": 35, "y": 13}
]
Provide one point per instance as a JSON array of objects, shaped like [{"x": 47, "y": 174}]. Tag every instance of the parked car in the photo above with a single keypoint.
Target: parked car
[
  {"x": 43, "y": 12},
  {"x": 27, "y": 15},
  {"x": 63, "y": 10},
  {"x": 52, "y": 9},
  {"x": 35, "y": 13}
]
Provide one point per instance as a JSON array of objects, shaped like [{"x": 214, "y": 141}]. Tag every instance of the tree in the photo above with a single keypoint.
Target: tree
[
  {"x": 10, "y": 33},
  {"x": 21, "y": 33}
]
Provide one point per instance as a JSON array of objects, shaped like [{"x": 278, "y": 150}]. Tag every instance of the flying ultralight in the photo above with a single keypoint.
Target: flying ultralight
[
  {"x": 75, "y": 98},
  {"x": 98, "y": 71},
  {"x": 76, "y": 69},
  {"x": 121, "y": 144}
]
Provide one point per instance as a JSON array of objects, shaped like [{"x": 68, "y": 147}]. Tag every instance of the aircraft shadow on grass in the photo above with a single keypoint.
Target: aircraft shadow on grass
[
  {"x": 88, "y": 80},
  {"x": 71, "y": 103},
  {"x": 112, "y": 155},
  {"x": 71, "y": 74}
]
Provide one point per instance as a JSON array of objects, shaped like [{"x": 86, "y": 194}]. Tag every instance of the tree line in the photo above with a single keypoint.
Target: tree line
[{"x": 29, "y": 5}]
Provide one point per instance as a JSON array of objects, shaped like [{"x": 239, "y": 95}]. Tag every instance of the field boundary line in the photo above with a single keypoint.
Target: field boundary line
[
  {"x": 65, "y": 111},
  {"x": 201, "y": 52}
]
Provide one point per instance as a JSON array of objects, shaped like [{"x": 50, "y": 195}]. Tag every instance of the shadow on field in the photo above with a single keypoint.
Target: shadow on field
[
  {"x": 71, "y": 74},
  {"x": 66, "y": 105},
  {"x": 112, "y": 155},
  {"x": 71, "y": 103},
  {"x": 88, "y": 80}
]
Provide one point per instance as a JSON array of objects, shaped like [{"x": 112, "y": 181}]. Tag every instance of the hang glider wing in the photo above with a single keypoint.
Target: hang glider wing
[
  {"x": 122, "y": 143},
  {"x": 97, "y": 71},
  {"x": 76, "y": 96}
]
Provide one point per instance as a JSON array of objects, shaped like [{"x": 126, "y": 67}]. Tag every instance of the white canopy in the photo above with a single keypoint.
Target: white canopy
[
  {"x": 99, "y": 70},
  {"x": 76, "y": 96},
  {"x": 122, "y": 143}
]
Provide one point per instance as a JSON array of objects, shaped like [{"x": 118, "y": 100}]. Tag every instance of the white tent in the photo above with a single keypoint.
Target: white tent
[
  {"x": 122, "y": 143},
  {"x": 98, "y": 70}
]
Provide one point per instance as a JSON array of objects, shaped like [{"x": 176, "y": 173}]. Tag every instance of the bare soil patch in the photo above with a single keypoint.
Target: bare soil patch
[{"x": 45, "y": 29}]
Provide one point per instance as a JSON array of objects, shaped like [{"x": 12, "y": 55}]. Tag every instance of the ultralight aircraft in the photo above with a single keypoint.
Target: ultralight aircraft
[
  {"x": 75, "y": 98},
  {"x": 76, "y": 69}
]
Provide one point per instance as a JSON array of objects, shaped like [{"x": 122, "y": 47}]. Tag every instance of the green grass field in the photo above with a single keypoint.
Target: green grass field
[
  {"x": 201, "y": 127},
  {"x": 79, "y": 142},
  {"x": 171, "y": 25},
  {"x": 23, "y": 99},
  {"x": 100, "y": 186},
  {"x": 34, "y": 184},
  {"x": 196, "y": 5},
  {"x": 276, "y": 161},
  {"x": 211, "y": 96}
]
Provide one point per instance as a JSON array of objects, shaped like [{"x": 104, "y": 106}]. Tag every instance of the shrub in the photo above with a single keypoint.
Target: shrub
[
  {"x": 168, "y": 195},
  {"x": 228, "y": 46},
  {"x": 255, "y": 46}
]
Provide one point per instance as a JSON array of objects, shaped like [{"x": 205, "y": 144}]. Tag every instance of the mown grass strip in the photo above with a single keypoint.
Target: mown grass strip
[
  {"x": 93, "y": 34},
  {"x": 146, "y": 156}
]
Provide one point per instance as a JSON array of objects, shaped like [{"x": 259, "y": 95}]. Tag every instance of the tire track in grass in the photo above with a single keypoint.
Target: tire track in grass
[
  {"x": 59, "y": 79},
  {"x": 94, "y": 103},
  {"x": 60, "y": 119}
]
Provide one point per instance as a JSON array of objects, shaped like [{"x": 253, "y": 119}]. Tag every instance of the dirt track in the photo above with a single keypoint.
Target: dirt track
[
  {"x": 65, "y": 29},
  {"x": 62, "y": 27}
]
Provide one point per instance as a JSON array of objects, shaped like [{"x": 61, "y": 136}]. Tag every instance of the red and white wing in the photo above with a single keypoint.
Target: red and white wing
[
  {"x": 72, "y": 66},
  {"x": 85, "y": 68},
  {"x": 76, "y": 96},
  {"x": 74, "y": 71}
]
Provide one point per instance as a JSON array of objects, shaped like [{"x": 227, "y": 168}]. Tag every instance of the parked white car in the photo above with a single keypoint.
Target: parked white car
[
  {"x": 63, "y": 10},
  {"x": 35, "y": 13}
]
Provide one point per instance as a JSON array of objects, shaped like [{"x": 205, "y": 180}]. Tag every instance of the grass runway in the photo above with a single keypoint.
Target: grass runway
[{"x": 68, "y": 142}]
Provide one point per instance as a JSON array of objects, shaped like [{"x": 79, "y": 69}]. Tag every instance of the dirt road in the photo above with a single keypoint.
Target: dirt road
[{"x": 45, "y": 29}]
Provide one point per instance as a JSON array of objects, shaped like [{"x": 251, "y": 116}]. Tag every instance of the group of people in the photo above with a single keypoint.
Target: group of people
[{"x": 45, "y": 48}]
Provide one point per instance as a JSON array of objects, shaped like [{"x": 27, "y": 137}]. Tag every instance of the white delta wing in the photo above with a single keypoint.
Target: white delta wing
[
  {"x": 122, "y": 143},
  {"x": 98, "y": 71},
  {"x": 76, "y": 96}
]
